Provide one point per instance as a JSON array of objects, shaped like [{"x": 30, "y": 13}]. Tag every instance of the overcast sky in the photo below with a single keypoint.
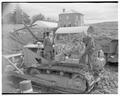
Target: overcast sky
[{"x": 93, "y": 12}]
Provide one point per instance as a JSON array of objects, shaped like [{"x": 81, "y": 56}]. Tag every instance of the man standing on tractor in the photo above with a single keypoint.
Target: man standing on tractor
[
  {"x": 95, "y": 60},
  {"x": 48, "y": 47},
  {"x": 90, "y": 48}
]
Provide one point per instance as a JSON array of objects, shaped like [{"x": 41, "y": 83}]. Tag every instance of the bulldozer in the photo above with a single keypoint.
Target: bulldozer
[{"x": 66, "y": 74}]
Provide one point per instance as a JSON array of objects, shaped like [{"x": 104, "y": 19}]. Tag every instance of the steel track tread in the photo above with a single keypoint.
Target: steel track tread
[{"x": 45, "y": 83}]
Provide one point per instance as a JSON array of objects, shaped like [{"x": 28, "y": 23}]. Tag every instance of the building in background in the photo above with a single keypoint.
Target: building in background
[{"x": 70, "y": 19}]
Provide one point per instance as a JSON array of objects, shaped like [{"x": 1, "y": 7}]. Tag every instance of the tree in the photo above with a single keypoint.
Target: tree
[
  {"x": 16, "y": 17},
  {"x": 9, "y": 19},
  {"x": 37, "y": 17},
  {"x": 21, "y": 16},
  {"x": 51, "y": 19},
  {"x": 26, "y": 18}
]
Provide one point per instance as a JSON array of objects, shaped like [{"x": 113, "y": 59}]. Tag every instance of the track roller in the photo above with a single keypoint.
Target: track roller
[
  {"x": 47, "y": 71},
  {"x": 79, "y": 82},
  {"x": 34, "y": 71},
  {"x": 61, "y": 73}
]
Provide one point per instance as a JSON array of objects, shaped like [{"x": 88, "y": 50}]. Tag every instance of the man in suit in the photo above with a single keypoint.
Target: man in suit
[{"x": 48, "y": 47}]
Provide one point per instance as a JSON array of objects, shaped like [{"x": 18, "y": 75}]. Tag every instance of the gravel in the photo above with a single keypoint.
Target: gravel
[{"x": 108, "y": 83}]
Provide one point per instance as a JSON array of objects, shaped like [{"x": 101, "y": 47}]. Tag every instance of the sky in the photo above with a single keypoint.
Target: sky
[{"x": 93, "y": 12}]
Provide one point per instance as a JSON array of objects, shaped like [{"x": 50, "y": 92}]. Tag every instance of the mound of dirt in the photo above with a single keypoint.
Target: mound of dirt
[{"x": 108, "y": 84}]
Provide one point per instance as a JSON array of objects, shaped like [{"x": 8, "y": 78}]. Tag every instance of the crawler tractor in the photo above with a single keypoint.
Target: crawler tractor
[{"x": 68, "y": 74}]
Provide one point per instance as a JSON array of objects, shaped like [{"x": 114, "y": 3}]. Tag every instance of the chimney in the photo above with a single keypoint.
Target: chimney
[{"x": 63, "y": 10}]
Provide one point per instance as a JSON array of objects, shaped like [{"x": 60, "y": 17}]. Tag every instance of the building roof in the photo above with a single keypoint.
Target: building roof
[
  {"x": 80, "y": 29},
  {"x": 46, "y": 24},
  {"x": 71, "y": 11}
]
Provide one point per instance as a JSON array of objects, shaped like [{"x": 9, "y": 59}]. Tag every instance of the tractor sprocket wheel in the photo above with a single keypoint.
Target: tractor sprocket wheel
[
  {"x": 34, "y": 71},
  {"x": 79, "y": 82}
]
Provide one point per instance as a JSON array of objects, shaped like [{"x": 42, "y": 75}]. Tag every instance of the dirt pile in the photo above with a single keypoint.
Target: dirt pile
[{"x": 108, "y": 84}]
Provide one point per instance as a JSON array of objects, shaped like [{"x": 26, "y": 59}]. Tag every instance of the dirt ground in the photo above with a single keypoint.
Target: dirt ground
[{"x": 109, "y": 82}]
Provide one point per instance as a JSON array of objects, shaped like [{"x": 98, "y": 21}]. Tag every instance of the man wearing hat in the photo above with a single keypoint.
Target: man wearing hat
[
  {"x": 48, "y": 47},
  {"x": 90, "y": 48}
]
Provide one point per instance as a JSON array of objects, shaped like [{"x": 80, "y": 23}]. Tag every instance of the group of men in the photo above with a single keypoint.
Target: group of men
[
  {"x": 87, "y": 41},
  {"x": 49, "y": 50}
]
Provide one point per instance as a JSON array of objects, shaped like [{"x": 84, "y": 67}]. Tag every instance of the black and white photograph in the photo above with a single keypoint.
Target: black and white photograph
[{"x": 64, "y": 47}]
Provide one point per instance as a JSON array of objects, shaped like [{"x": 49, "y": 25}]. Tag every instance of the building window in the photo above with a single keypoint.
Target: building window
[
  {"x": 76, "y": 18},
  {"x": 60, "y": 18},
  {"x": 67, "y": 17},
  {"x": 64, "y": 25},
  {"x": 69, "y": 25}
]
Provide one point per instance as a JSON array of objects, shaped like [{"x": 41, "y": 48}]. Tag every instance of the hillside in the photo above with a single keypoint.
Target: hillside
[
  {"x": 106, "y": 29},
  {"x": 104, "y": 33}
]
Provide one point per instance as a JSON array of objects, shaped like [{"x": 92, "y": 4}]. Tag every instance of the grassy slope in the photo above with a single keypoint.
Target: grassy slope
[
  {"x": 102, "y": 32},
  {"x": 106, "y": 28}
]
